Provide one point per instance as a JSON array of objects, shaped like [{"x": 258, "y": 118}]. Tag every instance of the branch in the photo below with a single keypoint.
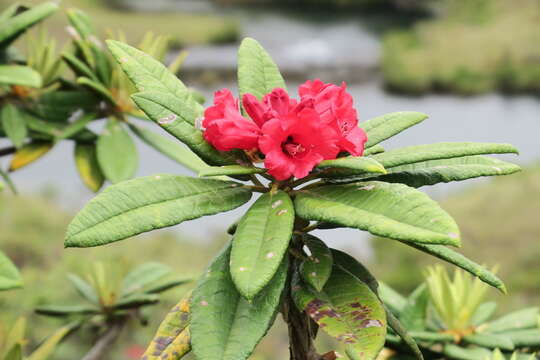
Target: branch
[
  {"x": 8, "y": 151},
  {"x": 102, "y": 346}
]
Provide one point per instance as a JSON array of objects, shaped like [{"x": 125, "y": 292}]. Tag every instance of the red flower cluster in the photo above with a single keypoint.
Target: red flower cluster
[{"x": 294, "y": 136}]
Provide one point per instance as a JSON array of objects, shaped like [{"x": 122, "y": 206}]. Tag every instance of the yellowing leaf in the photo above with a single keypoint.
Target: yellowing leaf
[{"x": 28, "y": 154}]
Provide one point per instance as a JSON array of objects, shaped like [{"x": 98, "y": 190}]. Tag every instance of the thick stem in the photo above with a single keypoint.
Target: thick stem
[
  {"x": 102, "y": 347},
  {"x": 7, "y": 151},
  {"x": 301, "y": 333}
]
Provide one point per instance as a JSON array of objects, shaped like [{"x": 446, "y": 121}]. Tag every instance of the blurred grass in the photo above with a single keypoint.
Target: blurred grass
[
  {"x": 499, "y": 226},
  {"x": 184, "y": 28},
  {"x": 476, "y": 46}
]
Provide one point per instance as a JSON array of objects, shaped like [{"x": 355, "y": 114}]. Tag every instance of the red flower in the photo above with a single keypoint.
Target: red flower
[
  {"x": 275, "y": 104},
  {"x": 295, "y": 143},
  {"x": 225, "y": 128},
  {"x": 335, "y": 106}
]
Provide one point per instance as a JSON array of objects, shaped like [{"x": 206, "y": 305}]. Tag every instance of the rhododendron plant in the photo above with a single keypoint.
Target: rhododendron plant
[{"x": 315, "y": 167}]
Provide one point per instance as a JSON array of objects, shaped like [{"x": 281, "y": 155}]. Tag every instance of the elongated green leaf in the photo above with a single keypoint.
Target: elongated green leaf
[
  {"x": 316, "y": 270},
  {"x": 148, "y": 74},
  {"x": 29, "y": 153},
  {"x": 360, "y": 165},
  {"x": 260, "y": 242},
  {"x": 391, "y": 210},
  {"x": 148, "y": 203},
  {"x": 136, "y": 301},
  {"x": 170, "y": 148},
  {"x": 483, "y": 313},
  {"x": 375, "y": 149},
  {"x": 59, "y": 105},
  {"x": 14, "y": 124},
  {"x": 66, "y": 310},
  {"x": 19, "y": 75},
  {"x": 399, "y": 329},
  {"x": 432, "y": 336},
  {"x": 225, "y": 326},
  {"x": 9, "y": 275},
  {"x": 75, "y": 127},
  {"x": 16, "y": 25},
  {"x": 230, "y": 170},
  {"x": 98, "y": 88},
  {"x": 347, "y": 310},
  {"x": 143, "y": 275},
  {"x": 166, "y": 285},
  {"x": 47, "y": 348},
  {"x": 167, "y": 112},
  {"x": 353, "y": 266},
  {"x": 383, "y": 127},
  {"x": 81, "y": 22},
  {"x": 461, "y": 353},
  {"x": 10, "y": 11},
  {"x": 84, "y": 289},
  {"x": 172, "y": 339},
  {"x": 257, "y": 73},
  {"x": 445, "y": 150},
  {"x": 117, "y": 153},
  {"x": 521, "y": 319},
  {"x": 88, "y": 166},
  {"x": 79, "y": 67},
  {"x": 391, "y": 298},
  {"x": 523, "y": 337},
  {"x": 414, "y": 313},
  {"x": 491, "y": 341},
  {"x": 15, "y": 335},
  {"x": 461, "y": 261},
  {"x": 446, "y": 170}
]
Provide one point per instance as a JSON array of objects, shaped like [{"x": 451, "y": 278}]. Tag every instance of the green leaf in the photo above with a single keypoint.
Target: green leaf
[
  {"x": 81, "y": 22},
  {"x": 446, "y": 170},
  {"x": 390, "y": 210},
  {"x": 88, "y": 166},
  {"x": 9, "y": 11},
  {"x": 257, "y": 73},
  {"x": 98, "y": 88},
  {"x": 166, "y": 111},
  {"x": 171, "y": 340},
  {"x": 166, "y": 285},
  {"x": 15, "y": 353},
  {"x": 360, "y": 165},
  {"x": 491, "y": 341},
  {"x": 432, "y": 336},
  {"x": 375, "y": 149},
  {"x": 444, "y": 150},
  {"x": 414, "y": 314},
  {"x": 117, "y": 153},
  {"x": 483, "y": 313},
  {"x": 10, "y": 278},
  {"x": 149, "y": 75},
  {"x": 224, "y": 325},
  {"x": 399, "y": 329},
  {"x": 148, "y": 203},
  {"x": 523, "y": 337},
  {"x": 15, "y": 335},
  {"x": 383, "y": 127},
  {"x": 521, "y": 319},
  {"x": 15, "y": 26},
  {"x": 391, "y": 298},
  {"x": 317, "y": 268},
  {"x": 66, "y": 310},
  {"x": 353, "y": 266},
  {"x": 59, "y": 105},
  {"x": 84, "y": 289},
  {"x": 136, "y": 301},
  {"x": 461, "y": 261},
  {"x": 347, "y": 310},
  {"x": 47, "y": 348},
  {"x": 79, "y": 67},
  {"x": 260, "y": 242},
  {"x": 75, "y": 127},
  {"x": 230, "y": 170},
  {"x": 170, "y": 148},
  {"x": 19, "y": 75},
  {"x": 461, "y": 353},
  {"x": 14, "y": 124},
  {"x": 143, "y": 275}
]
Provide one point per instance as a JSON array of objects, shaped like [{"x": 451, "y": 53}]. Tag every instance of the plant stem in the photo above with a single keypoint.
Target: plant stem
[
  {"x": 102, "y": 346},
  {"x": 7, "y": 151},
  {"x": 301, "y": 332}
]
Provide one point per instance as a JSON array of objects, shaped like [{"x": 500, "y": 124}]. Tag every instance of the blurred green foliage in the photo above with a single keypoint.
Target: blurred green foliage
[
  {"x": 490, "y": 216},
  {"x": 475, "y": 46}
]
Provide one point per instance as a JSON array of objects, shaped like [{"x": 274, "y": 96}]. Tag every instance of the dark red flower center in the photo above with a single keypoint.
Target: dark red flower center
[{"x": 291, "y": 148}]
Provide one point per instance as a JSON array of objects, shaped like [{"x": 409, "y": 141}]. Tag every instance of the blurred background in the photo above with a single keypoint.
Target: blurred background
[{"x": 472, "y": 65}]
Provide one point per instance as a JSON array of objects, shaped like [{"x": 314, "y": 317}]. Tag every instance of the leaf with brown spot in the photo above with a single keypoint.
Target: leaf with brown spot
[
  {"x": 172, "y": 339},
  {"x": 349, "y": 310},
  {"x": 318, "y": 267}
]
